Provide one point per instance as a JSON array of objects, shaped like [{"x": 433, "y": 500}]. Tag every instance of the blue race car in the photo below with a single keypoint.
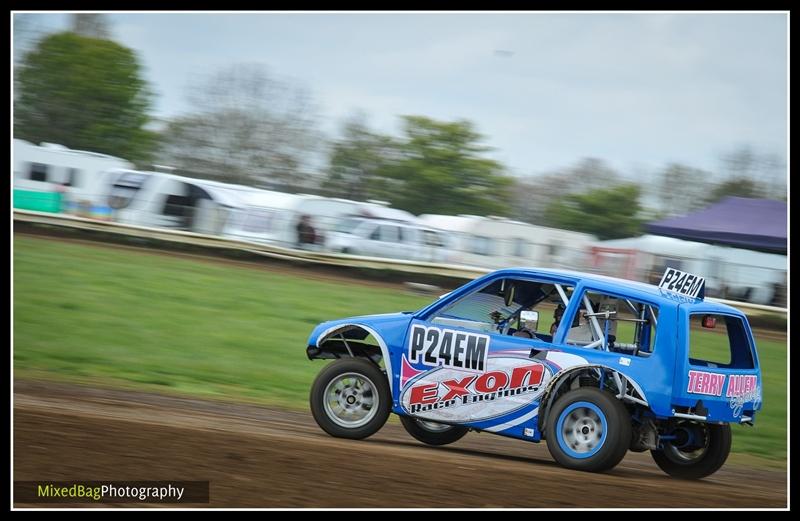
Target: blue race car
[{"x": 596, "y": 366}]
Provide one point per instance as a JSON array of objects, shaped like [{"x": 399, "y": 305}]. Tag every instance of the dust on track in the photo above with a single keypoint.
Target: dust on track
[{"x": 257, "y": 456}]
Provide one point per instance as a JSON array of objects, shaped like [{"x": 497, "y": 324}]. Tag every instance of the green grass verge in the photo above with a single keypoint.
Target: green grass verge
[{"x": 138, "y": 320}]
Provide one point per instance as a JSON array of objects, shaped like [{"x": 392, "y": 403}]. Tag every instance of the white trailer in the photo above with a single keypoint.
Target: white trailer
[
  {"x": 80, "y": 176},
  {"x": 495, "y": 242},
  {"x": 162, "y": 200},
  {"x": 239, "y": 212}
]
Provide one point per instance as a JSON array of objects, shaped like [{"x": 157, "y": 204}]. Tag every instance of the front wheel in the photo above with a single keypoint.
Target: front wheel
[
  {"x": 588, "y": 429},
  {"x": 698, "y": 450},
  {"x": 432, "y": 433},
  {"x": 350, "y": 398}
]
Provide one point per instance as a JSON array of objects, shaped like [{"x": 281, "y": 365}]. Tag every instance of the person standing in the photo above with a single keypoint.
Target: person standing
[{"x": 306, "y": 235}]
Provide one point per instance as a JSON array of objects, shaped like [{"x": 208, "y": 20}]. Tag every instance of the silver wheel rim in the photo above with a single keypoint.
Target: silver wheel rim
[
  {"x": 582, "y": 430},
  {"x": 433, "y": 426},
  {"x": 351, "y": 400}
]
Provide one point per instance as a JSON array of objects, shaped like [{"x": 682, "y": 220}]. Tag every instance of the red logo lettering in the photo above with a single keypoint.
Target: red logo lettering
[
  {"x": 533, "y": 372},
  {"x": 425, "y": 393},
  {"x": 457, "y": 388},
  {"x": 491, "y": 381}
]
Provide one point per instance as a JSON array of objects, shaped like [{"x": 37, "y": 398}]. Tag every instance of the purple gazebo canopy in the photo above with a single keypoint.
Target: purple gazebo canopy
[{"x": 755, "y": 224}]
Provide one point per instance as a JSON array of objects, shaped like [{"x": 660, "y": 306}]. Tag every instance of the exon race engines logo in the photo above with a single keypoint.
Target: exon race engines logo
[{"x": 448, "y": 389}]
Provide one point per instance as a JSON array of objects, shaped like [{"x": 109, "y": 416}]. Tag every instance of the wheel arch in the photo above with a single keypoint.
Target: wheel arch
[
  {"x": 622, "y": 386},
  {"x": 347, "y": 340}
]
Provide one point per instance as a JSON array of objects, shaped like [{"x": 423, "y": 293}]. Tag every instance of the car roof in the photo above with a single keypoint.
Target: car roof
[{"x": 633, "y": 288}]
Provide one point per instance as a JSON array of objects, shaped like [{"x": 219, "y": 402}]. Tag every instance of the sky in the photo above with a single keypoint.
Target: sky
[{"x": 546, "y": 89}]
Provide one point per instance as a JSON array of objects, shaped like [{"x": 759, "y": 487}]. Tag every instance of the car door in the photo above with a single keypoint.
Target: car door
[
  {"x": 460, "y": 366},
  {"x": 370, "y": 243},
  {"x": 384, "y": 241},
  {"x": 718, "y": 376}
]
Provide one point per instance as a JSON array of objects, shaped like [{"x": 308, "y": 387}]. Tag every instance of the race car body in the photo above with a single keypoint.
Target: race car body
[{"x": 593, "y": 365}]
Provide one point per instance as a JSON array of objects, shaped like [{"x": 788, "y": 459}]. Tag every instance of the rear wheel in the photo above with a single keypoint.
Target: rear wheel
[
  {"x": 432, "y": 433},
  {"x": 350, "y": 398},
  {"x": 697, "y": 450},
  {"x": 588, "y": 429}
]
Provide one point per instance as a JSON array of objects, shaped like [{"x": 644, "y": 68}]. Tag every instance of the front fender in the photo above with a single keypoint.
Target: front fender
[{"x": 389, "y": 331}]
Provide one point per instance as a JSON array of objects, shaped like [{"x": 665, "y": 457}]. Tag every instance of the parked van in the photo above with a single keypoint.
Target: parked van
[{"x": 389, "y": 238}]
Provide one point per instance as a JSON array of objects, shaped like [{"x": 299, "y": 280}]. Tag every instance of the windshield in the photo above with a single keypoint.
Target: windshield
[{"x": 495, "y": 306}]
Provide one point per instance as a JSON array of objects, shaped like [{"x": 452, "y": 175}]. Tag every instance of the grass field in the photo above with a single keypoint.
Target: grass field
[{"x": 126, "y": 318}]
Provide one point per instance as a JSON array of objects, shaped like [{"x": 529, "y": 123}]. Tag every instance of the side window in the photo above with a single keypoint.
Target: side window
[
  {"x": 482, "y": 245},
  {"x": 614, "y": 323},
  {"x": 520, "y": 247},
  {"x": 38, "y": 172},
  {"x": 376, "y": 234},
  {"x": 432, "y": 238},
  {"x": 176, "y": 205},
  {"x": 498, "y": 307},
  {"x": 390, "y": 234},
  {"x": 719, "y": 341}
]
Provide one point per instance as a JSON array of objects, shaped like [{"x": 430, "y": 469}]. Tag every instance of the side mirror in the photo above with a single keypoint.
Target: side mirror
[
  {"x": 709, "y": 321},
  {"x": 529, "y": 320}
]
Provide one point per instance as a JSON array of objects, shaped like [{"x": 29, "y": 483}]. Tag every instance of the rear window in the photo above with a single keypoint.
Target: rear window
[{"x": 719, "y": 341}]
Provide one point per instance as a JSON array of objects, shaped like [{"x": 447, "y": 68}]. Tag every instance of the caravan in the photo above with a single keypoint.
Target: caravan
[
  {"x": 161, "y": 200},
  {"x": 52, "y": 177}
]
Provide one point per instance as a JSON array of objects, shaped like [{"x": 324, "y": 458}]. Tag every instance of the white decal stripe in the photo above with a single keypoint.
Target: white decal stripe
[{"x": 515, "y": 421}]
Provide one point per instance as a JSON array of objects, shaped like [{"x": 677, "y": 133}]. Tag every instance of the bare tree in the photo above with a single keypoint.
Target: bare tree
[
  {"x": 766, "y": 171},
  {"x": 93, "y": 25},
  {"x": 246, "y": 127},
  {"x": 682, "y": 188}
]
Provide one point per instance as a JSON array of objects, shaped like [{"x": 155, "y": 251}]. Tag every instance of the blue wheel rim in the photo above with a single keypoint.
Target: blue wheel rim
[{"x": 581, "y": 430}]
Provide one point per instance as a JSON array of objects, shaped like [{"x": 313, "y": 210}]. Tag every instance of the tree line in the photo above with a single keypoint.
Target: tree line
[{"x": 81, "y": 89}]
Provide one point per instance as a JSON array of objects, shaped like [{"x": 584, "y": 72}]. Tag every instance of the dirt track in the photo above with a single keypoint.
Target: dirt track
[{"x": 260, "y": 457}]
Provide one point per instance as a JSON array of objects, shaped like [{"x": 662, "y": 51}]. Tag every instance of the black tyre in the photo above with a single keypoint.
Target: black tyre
[
  {"x": 432, "y": 433},
  {"x": 588, "y": 429},
  {"x": 350, "y": 398},
  {"x": 699, "y": 454}
]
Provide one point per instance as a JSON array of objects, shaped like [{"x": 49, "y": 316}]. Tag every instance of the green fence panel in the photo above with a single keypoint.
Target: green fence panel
[{"x": 38, "y": 201}]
